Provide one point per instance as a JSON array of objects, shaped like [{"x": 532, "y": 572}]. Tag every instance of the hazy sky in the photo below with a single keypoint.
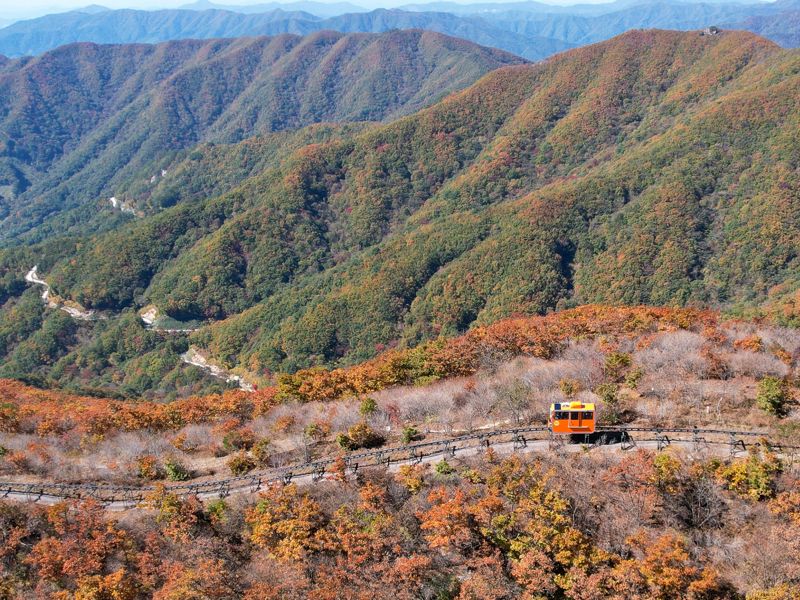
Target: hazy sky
[{"x": 30, "y": 8}]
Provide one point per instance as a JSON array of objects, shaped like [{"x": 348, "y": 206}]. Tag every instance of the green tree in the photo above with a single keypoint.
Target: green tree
[
  {"x": 410, "y": 433},
  {"x": 368, "y": 407},
  {"x": 773, "y": 395},
  {"x": 175, "y": 470}
]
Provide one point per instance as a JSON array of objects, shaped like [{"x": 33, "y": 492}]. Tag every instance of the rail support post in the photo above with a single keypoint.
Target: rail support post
[
  {"x": 318, "y": 474},
  {"x": 520, "y": 442},
  {"x": 287, "y": 477},
  {"x": 626, "y": 441},
  {"x": 736, "y": 445},
  {"x": 662, "y": 441},
  {"x": 697, "y": 441}
]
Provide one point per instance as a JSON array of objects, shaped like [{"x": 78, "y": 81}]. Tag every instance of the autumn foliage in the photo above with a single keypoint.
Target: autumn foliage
[
  {"x": 27, "y": 409},
  {"x": 494, "y": 529}
]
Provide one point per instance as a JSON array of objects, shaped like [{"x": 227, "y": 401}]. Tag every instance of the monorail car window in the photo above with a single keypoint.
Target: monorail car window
[{"x": 588, "y": 415}]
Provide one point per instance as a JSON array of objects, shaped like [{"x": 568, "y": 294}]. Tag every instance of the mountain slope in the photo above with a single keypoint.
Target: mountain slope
[
  {"x": 127, "y": 26},
  {"x": 658, "y": 167},
  {"x": 81, "y": 120}
]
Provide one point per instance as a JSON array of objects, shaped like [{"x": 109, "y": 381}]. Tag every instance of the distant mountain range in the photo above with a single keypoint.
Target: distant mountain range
[
  {"x": 529, "y": 29},
  {"x": 783, "y": 28},
  {"x": 320, "y": 9},
  {"x": 79, "y": 121},
  {"x": 126, "y": 26}
]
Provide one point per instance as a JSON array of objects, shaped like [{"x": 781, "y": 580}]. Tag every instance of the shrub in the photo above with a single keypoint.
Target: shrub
[
  {"x": 753, "y": 343},
  {"x": 316, "y": 431},
  {"x": 756, "y": 364},
  {"x": 616, "y": 365},
  {"x": 261, "y": 452},
  {"x": 633, "y": 377},
  {"x": 569, "y": 387},
  {"x": 410, "y": 434},
  {"x": 175, "y": 470},
  {"x": 753, "y": 477},
  {"x": 362, "y": 435},
  {"x": 283, "y": 424},
  {"x": 773, "y": 395},
  {"x": 241, "y": 463},
  {"x": 181, "y": 442},
  {"x": 608, "y": 395},
  {"x": 344, "y": 442},
  {"x": 444, "y": 468},
  {"x": 473, "y": 476},
  {"x": 216, "y": 510},
  {"x": 238, "y": 439},
  {"x": 147, "y": 467},
  {"x": 411, "y": 477},
  {"x": 666, "y": 471},
  {"x": 368, "y": 407}
]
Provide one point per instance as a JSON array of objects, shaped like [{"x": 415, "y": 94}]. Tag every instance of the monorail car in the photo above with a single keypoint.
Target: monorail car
[{"x": 572, "y": 417}]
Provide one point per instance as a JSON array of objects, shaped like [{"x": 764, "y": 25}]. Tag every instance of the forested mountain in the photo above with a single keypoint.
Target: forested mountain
[
  {"x": 35, "y": 36},
  {"x": 658, "y": 167},
  {"x": 80, "y": 121}
]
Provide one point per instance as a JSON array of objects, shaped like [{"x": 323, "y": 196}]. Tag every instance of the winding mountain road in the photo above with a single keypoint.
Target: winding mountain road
[
  {"x": 76, "y": 313},
  {"x": 149, "y": 317}
]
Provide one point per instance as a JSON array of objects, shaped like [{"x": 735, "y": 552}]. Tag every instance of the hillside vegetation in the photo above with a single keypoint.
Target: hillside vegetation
[
  {"x": 655, "y": 168},
  {"x": 82, "y": 120},
  {"x": 642, "y": 367}
]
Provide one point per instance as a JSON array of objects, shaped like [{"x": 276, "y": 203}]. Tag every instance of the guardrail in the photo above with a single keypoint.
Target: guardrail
[{"x": 385, "y": 456}]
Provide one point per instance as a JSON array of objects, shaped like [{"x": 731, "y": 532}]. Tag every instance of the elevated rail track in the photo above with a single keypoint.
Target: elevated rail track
[{"x": 514, "y": 439}]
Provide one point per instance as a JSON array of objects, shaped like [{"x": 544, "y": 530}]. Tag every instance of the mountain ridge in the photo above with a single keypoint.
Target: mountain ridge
[
  {"x": 518, "y": 194},
  {"x": 124, "y": 109},
  {"x": 129, "y": 26}
]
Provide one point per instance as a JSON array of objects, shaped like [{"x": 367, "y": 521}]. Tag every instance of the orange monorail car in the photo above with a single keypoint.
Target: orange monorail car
[{"x": 572, "y": 417}]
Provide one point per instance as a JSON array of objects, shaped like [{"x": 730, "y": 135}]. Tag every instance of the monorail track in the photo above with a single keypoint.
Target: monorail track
[{"x": 513, "y": 439}]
